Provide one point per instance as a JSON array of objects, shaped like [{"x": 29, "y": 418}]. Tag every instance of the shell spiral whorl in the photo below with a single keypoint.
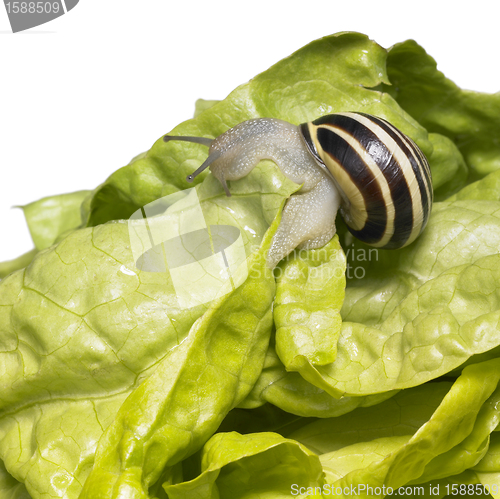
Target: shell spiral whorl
[{"x": 383, "y": 177}]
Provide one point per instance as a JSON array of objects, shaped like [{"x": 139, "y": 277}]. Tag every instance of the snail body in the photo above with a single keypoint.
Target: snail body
[{"x": 358, "y": 163}]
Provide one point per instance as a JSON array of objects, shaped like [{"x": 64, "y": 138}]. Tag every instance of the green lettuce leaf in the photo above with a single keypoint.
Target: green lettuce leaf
[
  {"x": 309, "y": 294},
  {"x": 202, "y": 105},
  {"x": 48, "y": 220},
  {"x": 435, "y": 329},
  {"x": 421, "y": 435},
  {"x": 415, "y": 315},
  {"x": 82, "y": 327},
  {"x": 491, "y": 460},
  {"x": 455, "y": 437},
  {"x": 400, "y": 416},
  {"x": 52, "y": 216},
  {"x": 238, "y": 466},
  {"x": 292, "y": 393},
  {"x": 458, "y": 233},
  {"x": 449, "y": 171},
  {"x": 488, "y": 188},
  {"x": 10, "y": 488},
  {"x": 183, "y": 402},
  {"x": 470, "y": 119},
  {"x": 18, "y": 263},
  {"x": 428, "y": 435}
]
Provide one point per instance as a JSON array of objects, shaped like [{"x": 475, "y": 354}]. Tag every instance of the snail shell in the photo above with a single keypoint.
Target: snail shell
[{"x": 383, "y": 177}]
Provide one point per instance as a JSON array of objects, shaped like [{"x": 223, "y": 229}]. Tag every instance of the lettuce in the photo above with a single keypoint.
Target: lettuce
[
  {"x": 348, "y": 368},
  {"x": 20, "y": 262},
  {"x": 48, "y": 219},
  {"x": 98, "y": 332},
  {"x": 470, "y": 119},
  {"x": 235, "y": 465}
]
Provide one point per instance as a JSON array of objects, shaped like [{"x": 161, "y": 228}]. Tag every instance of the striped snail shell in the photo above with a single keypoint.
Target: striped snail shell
[
  {"x": 382, "y": 175},
  {"x": 358, "y": 163}
]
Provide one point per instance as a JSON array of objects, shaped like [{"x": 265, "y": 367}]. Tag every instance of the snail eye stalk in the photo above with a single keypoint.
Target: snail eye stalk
[
  {"x": 214, "y": 156},
  {"x": 196, "y": 140}
]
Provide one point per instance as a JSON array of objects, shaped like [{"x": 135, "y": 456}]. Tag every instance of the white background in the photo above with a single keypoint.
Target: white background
[{"x": 83, "y": 94}]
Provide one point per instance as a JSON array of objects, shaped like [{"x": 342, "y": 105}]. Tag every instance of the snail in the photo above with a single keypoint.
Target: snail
[{"x": 358, "y": 163}]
